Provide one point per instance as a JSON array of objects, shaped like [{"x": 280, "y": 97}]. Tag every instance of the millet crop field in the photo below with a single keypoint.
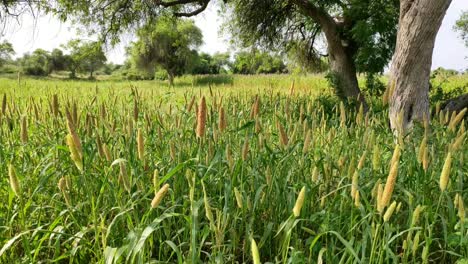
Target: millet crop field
[{"x": 260, "y": 169}]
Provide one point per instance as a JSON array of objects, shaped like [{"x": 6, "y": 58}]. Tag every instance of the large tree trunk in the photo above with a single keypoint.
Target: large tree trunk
[
  {"x": 343, "y": 73},
  {"x": 419, "y": 23},
  {"x": 340, "y": 53}
]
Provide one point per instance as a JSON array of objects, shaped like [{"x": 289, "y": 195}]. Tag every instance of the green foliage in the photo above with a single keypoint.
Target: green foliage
[
  {"x": 167, "y": 43},
  {"x": 257, "y": 62},
  {"x": 443, "y": 73},
  {"x": 461, "y": 25},
  {"x": 110, "y": 68},
  {"x": 133, "y": 74},
  {"x": 211, "y": 64},
  {"x": 58, "y": 61},
  {"x": 85, "y": 56},
  {"x": 37, "y": 63},
  {"x": 6, "y": 51},
  {"x": 440, "y": 80},
  {"x": 374, "y": 86},
  {"x": 367, "y": 28},
  {"x": 372, "y": 32}
]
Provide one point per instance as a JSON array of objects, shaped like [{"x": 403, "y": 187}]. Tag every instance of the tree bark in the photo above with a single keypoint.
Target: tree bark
[
  {"x": 340, "y": 53},
  {"x": 419, "y": 23},
  {"x": 344, "y": 73}
]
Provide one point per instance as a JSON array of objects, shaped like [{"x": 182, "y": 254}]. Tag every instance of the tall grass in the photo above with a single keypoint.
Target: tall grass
[{"x": 115, "y": 172}]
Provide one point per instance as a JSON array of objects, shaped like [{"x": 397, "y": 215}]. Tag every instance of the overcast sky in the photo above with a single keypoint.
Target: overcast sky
[{"x": 48, "y": 33}]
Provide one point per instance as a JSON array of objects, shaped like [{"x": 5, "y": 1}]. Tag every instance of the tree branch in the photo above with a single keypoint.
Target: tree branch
[
  {"x": 175, "y": 3},
  {"x": 317, "y": 14},
  {"x": 194, "y": 12}
]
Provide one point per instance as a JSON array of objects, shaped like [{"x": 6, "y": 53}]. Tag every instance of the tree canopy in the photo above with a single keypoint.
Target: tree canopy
[
  {"x": 167, "y": 43},
  {"x": 212, "y": 64},
  {"x": 85, "y": 56},
  {"x": 257, "y": 62},
  {"x": 367, "y": 27},
  {"x": 6, "y": 51}
]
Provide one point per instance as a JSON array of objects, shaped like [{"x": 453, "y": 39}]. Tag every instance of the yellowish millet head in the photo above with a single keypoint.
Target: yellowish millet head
[
  {"x": 159, "y": 196},
  {"x": 255, "y": 253},
  {"x": 389, "y": 211},
  {"x": 299, "y": 202},
  {"x": 238, "y": 196},
  {"x": 389, "y": 186},
  {"x": 14, "y": 182},
  {"x": 201, "y": 118},
  {"x": 140, "y": 145},
  {"x": 445, "y": 174}
]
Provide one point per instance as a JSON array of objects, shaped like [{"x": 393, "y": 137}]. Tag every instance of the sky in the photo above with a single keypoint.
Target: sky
[{"x": 48, "y": 33}]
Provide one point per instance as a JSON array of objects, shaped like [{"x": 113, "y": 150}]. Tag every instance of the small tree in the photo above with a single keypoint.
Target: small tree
[
  {"x": 37, "y": 63},
  {"x": 58, "y": 61},
  {"x": 6, "y": 51},
  {"x": 85, "y": 57},
  {"x": 168, "y": 43}
]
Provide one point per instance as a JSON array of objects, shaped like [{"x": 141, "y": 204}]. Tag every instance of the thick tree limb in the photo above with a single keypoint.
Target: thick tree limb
[
  {"x": 175, "y": 3},
  {"x": 456, "y": 104},
  {"x": 317, "y": 14},
  {"x": 194, "y": 12}
]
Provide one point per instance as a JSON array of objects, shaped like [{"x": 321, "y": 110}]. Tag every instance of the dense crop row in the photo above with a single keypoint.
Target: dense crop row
[{"x": 213, "y": 175}]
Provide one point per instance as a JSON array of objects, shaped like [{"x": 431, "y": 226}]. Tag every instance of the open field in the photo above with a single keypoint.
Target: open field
[{"x": 120, "y": 172}]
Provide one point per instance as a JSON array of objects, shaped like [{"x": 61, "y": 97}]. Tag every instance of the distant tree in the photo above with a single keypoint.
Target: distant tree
[
  {"x": 58, "y": 61},
  {"x": 167, "y": 43},
  {"x": 461, "y": 25},
  {"x": 85, "y": 57},
  {"x": 243, "y": 63},
  {"x": 36, "y": 63},
  {"x": 110, "y": 68},
  {"x": 211, "y": 64},
  {"x": 269, "y": 64},
  {"x": 92, "y": 57},
  {"x": 221, "y": 62},
  {"x": 442, "y": 72},
  {"x": 256, "y": 62},
  {"x": 6, "y": 51}
]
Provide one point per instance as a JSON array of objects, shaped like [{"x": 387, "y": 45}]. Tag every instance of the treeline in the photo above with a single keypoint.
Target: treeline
[
  {"x": 77, "y": 56},
  {"x": 88, "y": 59},
  {"x": 163, "y": 50}
]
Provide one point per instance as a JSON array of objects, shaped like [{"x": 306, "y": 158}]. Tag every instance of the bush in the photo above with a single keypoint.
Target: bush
[
  {"x": 160, "y": 75},
  {"x": 9, "y": 68},
  {"x": 437, "y": 93},
  {"x": 136, "y": 75},
  {"x": 34, "y": 70}
]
